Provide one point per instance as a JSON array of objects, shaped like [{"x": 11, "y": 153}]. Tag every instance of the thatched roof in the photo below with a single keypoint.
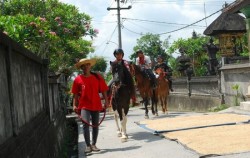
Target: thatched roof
[
  {"x": 226, "y": 23},
  {"x": 237, "y": 6}
]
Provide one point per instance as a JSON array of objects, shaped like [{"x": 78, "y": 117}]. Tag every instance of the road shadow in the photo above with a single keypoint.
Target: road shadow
[
  {"x": 115, "y": 150},
  {"x": 146, "y": 136}
]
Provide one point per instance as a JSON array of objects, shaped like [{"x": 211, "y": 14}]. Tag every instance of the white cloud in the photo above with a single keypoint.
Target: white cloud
[{"x": 179, "y": 12}]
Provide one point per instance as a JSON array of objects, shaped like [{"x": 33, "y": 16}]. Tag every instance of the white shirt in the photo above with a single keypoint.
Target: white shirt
[{"x": 147, "y": 62}]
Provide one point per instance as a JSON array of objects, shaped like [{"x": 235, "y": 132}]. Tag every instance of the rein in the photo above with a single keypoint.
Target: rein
[{"x": 114, "y": 89}]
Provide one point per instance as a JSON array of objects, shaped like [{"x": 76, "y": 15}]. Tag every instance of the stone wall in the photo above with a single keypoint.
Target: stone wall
[
  {"x": 231, "y": 75},
  {"x": 32, "y": 118},
  {"x": 199, "y": 94}
]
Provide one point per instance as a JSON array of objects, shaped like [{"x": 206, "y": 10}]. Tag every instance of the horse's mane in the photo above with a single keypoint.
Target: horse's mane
[
  {"x": 128, "y": 80},
  {"x": 137, "y": 68}
]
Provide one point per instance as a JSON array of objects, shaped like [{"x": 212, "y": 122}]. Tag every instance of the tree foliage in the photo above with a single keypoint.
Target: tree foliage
[
  {"x": 194, "y": 48},
  {"x": 152, "y": 46},
  {"x": 50, "y": 29},
  {"x": 101, "y": 64}
]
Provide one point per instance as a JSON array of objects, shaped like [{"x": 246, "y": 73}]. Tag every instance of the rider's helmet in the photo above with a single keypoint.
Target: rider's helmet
[{"x": 117, "y": 51}]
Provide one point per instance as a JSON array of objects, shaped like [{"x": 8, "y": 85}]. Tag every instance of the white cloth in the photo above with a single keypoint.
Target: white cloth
[{"x": 147, "y": 62}]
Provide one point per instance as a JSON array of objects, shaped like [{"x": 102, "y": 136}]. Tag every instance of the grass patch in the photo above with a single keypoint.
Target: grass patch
[
  {"x": 219, "y": 108},
  {"x": 70, "y": 144}
]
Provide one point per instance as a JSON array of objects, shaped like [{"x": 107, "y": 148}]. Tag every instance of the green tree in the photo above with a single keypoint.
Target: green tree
[
  {"x": 50, "y": 29},
  {"x": 193, "y": 48},
  {"x": 101, "y": 64},
  {"x": 152, "y": 46}
]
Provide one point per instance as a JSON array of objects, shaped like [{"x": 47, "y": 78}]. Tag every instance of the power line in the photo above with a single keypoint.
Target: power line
[
  {"x": 191, "y": 24},
  {"x": 159, "y": 22},
  {"x": 194, "y": 22},
  {"x": 108, "y": 39}
]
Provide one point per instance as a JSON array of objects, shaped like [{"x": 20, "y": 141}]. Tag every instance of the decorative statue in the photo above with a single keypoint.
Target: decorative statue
[
  {"x": 184, "y": 63},
  {"x": 212, "y": 64}
]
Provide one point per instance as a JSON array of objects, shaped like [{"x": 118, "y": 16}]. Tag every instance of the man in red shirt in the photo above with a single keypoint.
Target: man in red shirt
[{"x": 86, "y": 88}]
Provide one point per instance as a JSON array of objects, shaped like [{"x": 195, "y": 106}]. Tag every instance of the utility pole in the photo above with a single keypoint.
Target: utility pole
[{"x": 118, "y": 8}]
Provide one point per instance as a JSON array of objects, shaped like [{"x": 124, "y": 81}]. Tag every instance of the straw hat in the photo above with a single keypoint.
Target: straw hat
[{"x": 85, "y": 61}]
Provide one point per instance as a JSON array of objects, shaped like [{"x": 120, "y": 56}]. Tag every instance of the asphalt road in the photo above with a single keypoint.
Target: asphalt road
[{"x": 141, "y": 143}]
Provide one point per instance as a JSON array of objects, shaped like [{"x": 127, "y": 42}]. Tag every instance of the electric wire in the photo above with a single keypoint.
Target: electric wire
[{"x": 110, "y": 38}]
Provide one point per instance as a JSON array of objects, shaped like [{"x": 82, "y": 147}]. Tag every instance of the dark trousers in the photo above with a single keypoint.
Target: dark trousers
[
  {"x": 86, "y": 114},
  {"x": 151, "y": 75},
  {"x": 169, "y": 82}
]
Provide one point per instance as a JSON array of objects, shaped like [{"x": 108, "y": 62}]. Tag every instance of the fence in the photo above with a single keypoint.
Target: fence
[
  {"x": 31, "y": 116},
  {"x": 204, "y": 93}
]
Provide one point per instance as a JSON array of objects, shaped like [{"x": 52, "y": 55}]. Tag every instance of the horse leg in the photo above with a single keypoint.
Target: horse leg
[
  {"x": 156, "y": 109},
  {"x": 156, "y": 103},
  {"x": 146, "y": 108},
  {"x": 119, "y": 134},
  {"x": 163, "y": 105},
  {"x": 166, "y": 105},
  {"x": 123, "y": 125},
  {"x": 152, "y": 106}
]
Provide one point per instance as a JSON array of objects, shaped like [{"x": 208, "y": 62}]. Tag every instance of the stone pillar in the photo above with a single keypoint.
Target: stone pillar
[
  {"x": 246, "y": 11},
  {"x": 248, "y": 33}
]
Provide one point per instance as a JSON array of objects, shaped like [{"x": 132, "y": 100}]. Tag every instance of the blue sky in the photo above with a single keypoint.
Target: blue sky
[{"x": 145, "y": 16}]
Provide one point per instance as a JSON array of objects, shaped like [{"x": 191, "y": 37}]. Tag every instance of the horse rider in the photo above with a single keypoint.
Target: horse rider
[
  {"x": 119, "y": 54},
  {"x": 145, "y": 64},
  {"x": 167, "y": 70}
]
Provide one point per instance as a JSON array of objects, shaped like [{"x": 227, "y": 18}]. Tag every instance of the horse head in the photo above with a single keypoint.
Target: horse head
[
  {"x": 117, "y": 70},
  {"x": 135, "y": 69},
  {"x": 160, "y": 71}
]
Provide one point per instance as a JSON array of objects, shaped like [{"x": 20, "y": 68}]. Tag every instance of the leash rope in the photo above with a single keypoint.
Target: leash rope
[
  {"x": 78, "y": 112},
  {"x": 104, "y": 114}
]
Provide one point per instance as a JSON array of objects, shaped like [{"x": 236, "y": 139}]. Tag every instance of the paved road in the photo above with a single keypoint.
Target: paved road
[{"x": 141, "y": 143}]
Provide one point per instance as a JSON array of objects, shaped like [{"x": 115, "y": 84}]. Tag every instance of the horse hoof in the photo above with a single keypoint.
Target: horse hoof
[
  {"x": 124, "y": 140},
  {"x": 146, "y": 117},
  {"x": 119, "y": 134},
  {"x": 124, "y": 137}
]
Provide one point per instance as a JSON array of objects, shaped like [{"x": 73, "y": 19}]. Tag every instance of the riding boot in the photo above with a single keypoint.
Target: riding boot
[
  {"x": 170, "y": 85},
  {"x": 155, "y": 83}
]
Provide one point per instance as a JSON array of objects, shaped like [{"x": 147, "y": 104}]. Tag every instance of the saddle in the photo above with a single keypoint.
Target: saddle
[{"x": 151, "y": 78}]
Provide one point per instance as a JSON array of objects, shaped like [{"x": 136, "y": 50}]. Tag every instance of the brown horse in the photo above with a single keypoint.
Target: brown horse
[
  {"x": 162, "y": 89},
  {"x": 143, "y": 84}
]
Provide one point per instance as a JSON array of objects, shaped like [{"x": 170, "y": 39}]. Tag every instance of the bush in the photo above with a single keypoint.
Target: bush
[{"x": 219, "y": 108}]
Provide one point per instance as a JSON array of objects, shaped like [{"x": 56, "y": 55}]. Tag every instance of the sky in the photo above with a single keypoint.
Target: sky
[{"x": 164, "y": 17}]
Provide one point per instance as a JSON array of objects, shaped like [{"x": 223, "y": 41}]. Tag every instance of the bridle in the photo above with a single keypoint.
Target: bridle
[
  {"x": 114, "y": 89},
  {"x": 161, "y": 73}
]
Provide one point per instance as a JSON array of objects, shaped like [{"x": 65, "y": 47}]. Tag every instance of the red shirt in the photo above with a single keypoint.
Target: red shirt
[{"x": 88, "y": 88}]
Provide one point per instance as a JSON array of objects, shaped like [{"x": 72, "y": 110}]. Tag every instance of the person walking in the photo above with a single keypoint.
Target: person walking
[
  {"x": 145, "y": 64},
  {"x": 167, "y": 70},
  {"x": 86, "y": 88}
]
